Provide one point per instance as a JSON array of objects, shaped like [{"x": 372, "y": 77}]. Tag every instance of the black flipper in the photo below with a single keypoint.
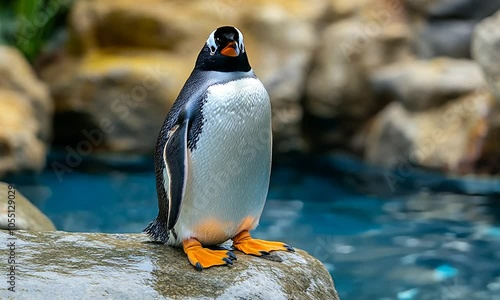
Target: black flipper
[
  {"x": 175, "y": 159},
  {"x": 171, "y": 155},
  {"x": 156, "y": 229}
]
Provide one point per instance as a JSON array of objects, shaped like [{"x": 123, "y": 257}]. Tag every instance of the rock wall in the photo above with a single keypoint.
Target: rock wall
[
  {"x": 26, "y": 113},
  {"x": 394, "y": 82},
  {"x": 21, "y": 214},
  {"x": 128, "y": 266},
  {"x": 486, "y": 51},
  {"x": 445, "y": 28},
  {"x": 125, "y": 62},
  {"x": 341, "y": 75}
]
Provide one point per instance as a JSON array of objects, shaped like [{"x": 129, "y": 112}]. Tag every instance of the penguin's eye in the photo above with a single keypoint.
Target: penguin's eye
[{"x": 212, "y": 49}]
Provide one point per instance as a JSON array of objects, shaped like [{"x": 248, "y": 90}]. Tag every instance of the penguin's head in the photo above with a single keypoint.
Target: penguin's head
[
  {"x": 226, "y": 41},
  {"x": 224, "y": 51}
]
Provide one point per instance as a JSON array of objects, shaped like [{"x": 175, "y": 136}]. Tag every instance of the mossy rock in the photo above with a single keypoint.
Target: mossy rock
[{"x": 62, "y": 265}]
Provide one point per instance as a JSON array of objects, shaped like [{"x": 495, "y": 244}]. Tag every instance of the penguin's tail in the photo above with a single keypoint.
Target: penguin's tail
[{"x": 157, "y": 230}]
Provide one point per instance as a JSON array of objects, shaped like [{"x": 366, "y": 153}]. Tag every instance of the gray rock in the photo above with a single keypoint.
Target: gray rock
[
  {"x": 26, "y": 215},
  {"x": 338, "y": 89},
  {"x": 25, "y": 125},
  {"x": 444, "y": 27},
  {"x": 17, "y": 75},
  {"x": 454, "y": 9},
  {"x": 425, "y": 84},
  {"x": 444, "y": 38},
  {"x": 122, "y": 98},
  {"x": 447, "y": 138},
  {"x": 113, "y": 44},
  {"x": 387, "y": 138},
  {"x": 337, "y": 78},
  {"x": 61, "y": 265},
  {"x": 486, "y": 50},
  {"x": 282, "y": 62},
  {"x": 489, "y": 162}
]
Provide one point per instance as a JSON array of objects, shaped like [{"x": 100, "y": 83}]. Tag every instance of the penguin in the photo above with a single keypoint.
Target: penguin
[{"x": 213, "y": 158}]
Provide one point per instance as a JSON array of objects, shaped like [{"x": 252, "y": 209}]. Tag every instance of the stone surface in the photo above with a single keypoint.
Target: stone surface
[
  {"x": 26, "y": 215},
  {"x": 448, "y": 138},
  {"x": 443, "y": 38},
  {"x": 124, "y": 96},
  {"x": 162, "y": 24},
  {"x": 444, "y": 27},
  {"x": 338, "y": 90},
  {"x": 454, "y": 9},
  {"x": 281, "y": 47},
  {"x": 489, "y": 161},
  {"x": 128, "y": 266},
  {"x": 330, "y": 66},
  {"x": 20, "y": 148},
  {"x": 150, "y": 24},
  {"x": 17, "y": 75},
  {"x": 279, "y": 37},
  {"x": 339, "y": 9},
  {"x": 423, "y": 84},
  {"x": 486, "y": 50},
  {"x": 25, "y": 125}
]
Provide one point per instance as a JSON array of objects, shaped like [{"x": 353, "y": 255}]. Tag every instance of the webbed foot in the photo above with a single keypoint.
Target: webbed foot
[
  {"x": 202, "y": 258},
  {"x": 248, "y": 245}
]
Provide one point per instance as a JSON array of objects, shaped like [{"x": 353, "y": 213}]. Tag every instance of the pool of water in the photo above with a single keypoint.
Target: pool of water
[{"x": 405, "y": 234}]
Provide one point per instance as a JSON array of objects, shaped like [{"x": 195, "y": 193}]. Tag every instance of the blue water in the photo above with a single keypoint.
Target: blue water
[{"x": 420, "y": 236}]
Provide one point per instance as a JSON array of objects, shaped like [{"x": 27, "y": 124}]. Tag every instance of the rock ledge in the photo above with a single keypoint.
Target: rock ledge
[{"x": 62, "y": 265}]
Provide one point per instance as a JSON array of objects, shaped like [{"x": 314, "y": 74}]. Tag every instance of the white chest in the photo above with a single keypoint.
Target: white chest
[{"x": 236, "y": 112}]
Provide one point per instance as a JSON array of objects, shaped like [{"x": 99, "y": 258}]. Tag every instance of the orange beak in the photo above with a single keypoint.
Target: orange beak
[{"x": 230, "y": 50}]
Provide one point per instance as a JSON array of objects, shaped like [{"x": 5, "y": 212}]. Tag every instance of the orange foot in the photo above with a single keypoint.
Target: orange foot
[
  {"x": 246, "y": 244},
  {"x": 202, "y": 258}
]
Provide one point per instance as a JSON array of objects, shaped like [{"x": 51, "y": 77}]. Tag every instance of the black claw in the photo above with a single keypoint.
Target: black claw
[
  {"x": 231, "y": 255},
  {"x": 264, "y": 252},
  {"x": 198, "y": 266},
  {"x": 289, "y": 248},
  {"x": 227, "y": 260}
]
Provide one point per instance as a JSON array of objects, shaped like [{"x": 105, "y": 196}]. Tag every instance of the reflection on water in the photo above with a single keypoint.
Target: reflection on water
[{"x": 378, "y": 241}]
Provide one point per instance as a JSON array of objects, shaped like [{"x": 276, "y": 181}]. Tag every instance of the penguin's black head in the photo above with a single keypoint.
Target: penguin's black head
[{"x": 224, "y": 51}]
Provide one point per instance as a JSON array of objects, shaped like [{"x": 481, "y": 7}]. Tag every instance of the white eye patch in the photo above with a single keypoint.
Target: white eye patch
[
  {"x": 240, "y": 40},
  {"x": 211, "y": 43}
]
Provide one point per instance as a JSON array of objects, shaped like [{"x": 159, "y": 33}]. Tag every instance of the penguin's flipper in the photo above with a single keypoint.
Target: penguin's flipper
[{"x": 175, "y": 159}]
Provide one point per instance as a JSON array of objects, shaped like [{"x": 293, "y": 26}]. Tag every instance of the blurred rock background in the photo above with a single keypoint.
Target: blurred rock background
[{"x": 391, "y": 81}]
